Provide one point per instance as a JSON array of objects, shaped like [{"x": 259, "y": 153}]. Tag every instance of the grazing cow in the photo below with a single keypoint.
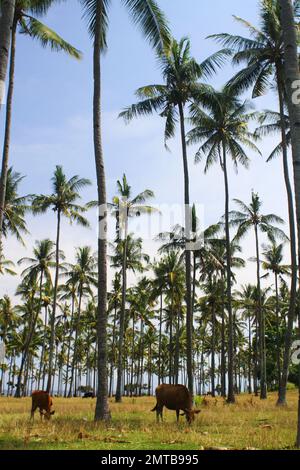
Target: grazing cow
[
  {"x": 43, "y": 401},
  {"x": 177, "y": 398},
  {"x": 89, "y": 395}
]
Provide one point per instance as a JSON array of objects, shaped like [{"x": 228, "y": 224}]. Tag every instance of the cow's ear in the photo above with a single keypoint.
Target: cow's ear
[{"x": 52, "y": 412}]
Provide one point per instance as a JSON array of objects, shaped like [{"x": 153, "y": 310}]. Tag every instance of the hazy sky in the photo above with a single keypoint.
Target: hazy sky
[{"x": 52, "y": 121}]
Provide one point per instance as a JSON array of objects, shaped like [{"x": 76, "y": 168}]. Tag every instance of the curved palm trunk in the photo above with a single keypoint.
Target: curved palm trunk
[
  {"x": 261, "y": 316},
  {"x": 52, "y": 321},
  {"x": 189, "y": 310},
  {"x": 177, "y": 349},
  {"x": 122, "y": 323},
  {"x": 293, "y": 289},
  {"x": 102, "y": 409},
  {"x": 292, "y": 76},
  {"x": 230, "y": 396},
  {"x": 6, "y": 23},
  {"x": 6, "y": 145}
]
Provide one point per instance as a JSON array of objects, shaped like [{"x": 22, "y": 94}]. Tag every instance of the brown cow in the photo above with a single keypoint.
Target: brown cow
[
  {"x": 43, "y": 401},
  {"x": 177, "y": 398}
]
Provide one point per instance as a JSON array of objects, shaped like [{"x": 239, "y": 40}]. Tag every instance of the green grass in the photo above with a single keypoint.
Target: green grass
[{"x": 250, "y": 424}]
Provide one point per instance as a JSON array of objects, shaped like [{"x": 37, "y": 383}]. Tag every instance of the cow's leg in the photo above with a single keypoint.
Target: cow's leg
[
  {"x": 161, "y": 413},
  {"x": 32, "y": 412},
  {"x": 177, "y": 415},
  {"x": 157, "y": 414}
]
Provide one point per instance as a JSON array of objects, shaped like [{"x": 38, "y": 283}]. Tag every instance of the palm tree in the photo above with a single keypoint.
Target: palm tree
[
  {"x": 63, "y": 201},
  {"x": 128, "y": 254},
  {"x": 32, "y": 27},
  {"x": 273, "y": 257},
  {"x": 292, "y": 77},
  {"x": 148, "y": 15},
  {"x": 125, "y": 206},
  {"x": 6, "y": 22},
  {"x": 15, "y": 208},
  {"x": 251, "y": 217},
  {"x": 181, "y": 74},
  {"x": 83, "y": 275},
  {"x": 221, "y": 126},
  {"x": 263, "y": 56}
]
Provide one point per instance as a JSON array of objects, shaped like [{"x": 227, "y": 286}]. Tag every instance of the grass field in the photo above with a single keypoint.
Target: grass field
[{"x": 250, "y": 424}]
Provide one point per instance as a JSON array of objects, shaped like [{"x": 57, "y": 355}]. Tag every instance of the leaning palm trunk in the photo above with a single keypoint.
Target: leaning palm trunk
[
  {"x": 292, "y": 75},
  {"x": 230, "y": 395},
  {"x": 102, "y": 409},
  {"x": 52, "y": 322},
  {"x": 261, "y": 322},
  {"x": 293, "y": 290},
  {"x": 6, "y": 22},
  {"x": 6, "y": 146},
  {"x": 122, "y": 322},
  {"x": 188, "y": 280}
]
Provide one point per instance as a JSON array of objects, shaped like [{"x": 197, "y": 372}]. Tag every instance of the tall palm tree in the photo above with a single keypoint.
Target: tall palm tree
[
  {"x": 221, "y": 126},
  {"x": 181, "y": 73},
  {"x": 246, "y": 218},
  {"x": 63, "y": 201},
  {"x": 148, "y": 15},
  {"x": 263, "y": 56},
  {"x": 125, "y": 206},
  {"x": 32, "y": 27},
  {"x": 6, "y": 21}
]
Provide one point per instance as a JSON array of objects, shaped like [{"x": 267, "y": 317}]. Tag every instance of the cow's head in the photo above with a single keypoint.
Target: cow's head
[
  {"x": 47, "y": 414},
  {"x": 190, "y": 415}
]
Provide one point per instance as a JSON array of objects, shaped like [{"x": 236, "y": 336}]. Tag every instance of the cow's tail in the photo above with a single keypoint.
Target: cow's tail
[{"x": 155, "y": 408}]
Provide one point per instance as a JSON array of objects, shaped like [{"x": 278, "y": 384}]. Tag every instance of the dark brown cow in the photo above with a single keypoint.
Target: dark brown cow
[
  {"x": 43, "y": 401},
  {"x": 177, "y": 398}
]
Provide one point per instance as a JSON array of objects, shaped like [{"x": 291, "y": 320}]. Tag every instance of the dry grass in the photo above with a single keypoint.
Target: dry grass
[{"x": 250, "y": 424}]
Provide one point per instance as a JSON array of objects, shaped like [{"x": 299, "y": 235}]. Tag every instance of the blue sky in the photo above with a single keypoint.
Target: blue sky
[{"x": 52, "y": 120}]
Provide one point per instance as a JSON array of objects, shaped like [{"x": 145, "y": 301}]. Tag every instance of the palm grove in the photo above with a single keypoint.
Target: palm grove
[{"x": 184, "y": 319}]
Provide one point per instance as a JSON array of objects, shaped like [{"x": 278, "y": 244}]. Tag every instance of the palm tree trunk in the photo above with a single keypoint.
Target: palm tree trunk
[
  {"x": 112, "y": 354},
  {"x": 293, "y": 289},
  {"x": 261, "y": 316},
  {"x": 6, "y": 145},
  {"x": 292, "y": 78},
  {"x": 230, "y": 397},
  {"x": 223, "y": 356},
  {"x": 122, "y": 322},
  {"x": 75, "y": 345},
  {"x": 52, "y": 322},
  {"x": 102, "y": 409},
  {"x": 278, "y": 333},
  {"x": 69, "y": 343},
  {"x": 159, "y": 340},
  {"x": 28, "y": 341},
  {"x": 6, "y": 23},
  {"x": 189, "y": 310},
  {"x": 213, "y": 349},
  {"x": 250, "y": 355}
]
